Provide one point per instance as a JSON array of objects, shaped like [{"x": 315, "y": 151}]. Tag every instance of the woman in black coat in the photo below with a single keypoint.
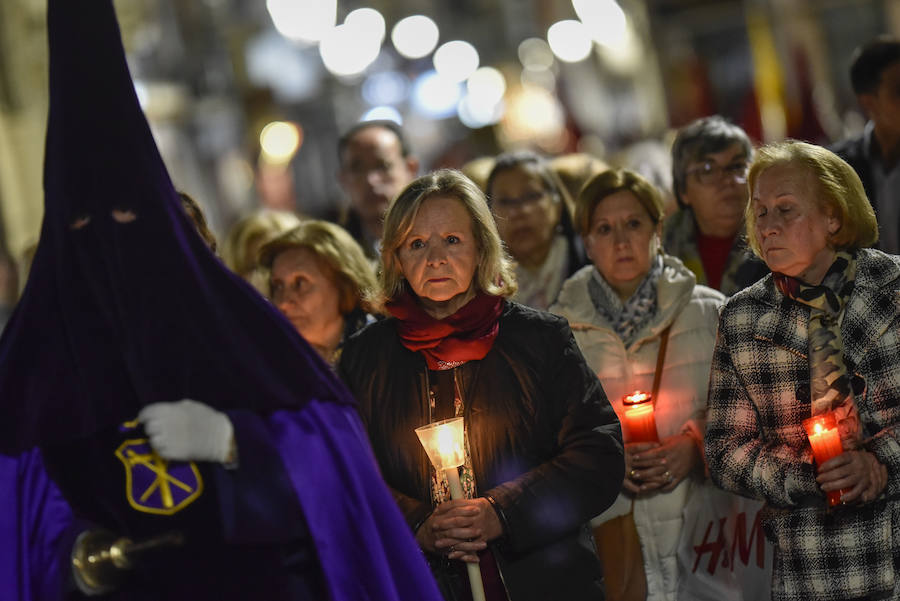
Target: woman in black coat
[{"x": 544, "y": 449}]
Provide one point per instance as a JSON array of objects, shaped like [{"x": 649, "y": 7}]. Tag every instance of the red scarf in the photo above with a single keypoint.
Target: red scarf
[{"x": 466, "y": 335}]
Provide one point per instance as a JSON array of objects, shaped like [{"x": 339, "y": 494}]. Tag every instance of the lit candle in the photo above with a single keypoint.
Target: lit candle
[
  {"x": 825, "y": 441},
  {"x": 444, "y": 445},
  {"x": 640, "y": 423}
]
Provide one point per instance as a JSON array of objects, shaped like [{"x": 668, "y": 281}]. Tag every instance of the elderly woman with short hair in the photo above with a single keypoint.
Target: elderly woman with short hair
[
  {"x": 620, "y": 308},
  {"x": 820, "y": 335},
  {"x": 544, "y": 450},
  {"x": 319, "y": 278}
]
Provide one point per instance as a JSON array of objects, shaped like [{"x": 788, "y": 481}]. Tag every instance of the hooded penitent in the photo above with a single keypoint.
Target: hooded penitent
[{"x": 125, "y": 306}]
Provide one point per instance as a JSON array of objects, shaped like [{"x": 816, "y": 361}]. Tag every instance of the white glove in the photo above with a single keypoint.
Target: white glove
[{"x": 188, "y": 431}]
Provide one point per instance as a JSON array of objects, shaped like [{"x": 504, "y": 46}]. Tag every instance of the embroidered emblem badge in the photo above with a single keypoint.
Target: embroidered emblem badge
[{"x": 153, "y": 484}]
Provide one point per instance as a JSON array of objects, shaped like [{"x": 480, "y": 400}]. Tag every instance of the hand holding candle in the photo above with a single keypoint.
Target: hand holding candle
[
  {"x": 443, "y": 442},
  {"x": 825, "y": 441},
  {"x": 639, "y": 422}
]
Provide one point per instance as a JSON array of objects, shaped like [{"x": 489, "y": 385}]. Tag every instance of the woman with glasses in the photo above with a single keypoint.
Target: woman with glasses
[
  {"x": 619, "y": 309},
  {"x": 709, "y": 171},
  {"x": 533, "y": 214}
]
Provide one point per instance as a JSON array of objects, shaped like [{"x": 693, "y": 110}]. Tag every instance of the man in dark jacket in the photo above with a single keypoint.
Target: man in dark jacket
[{"x": 875, "y": 76}]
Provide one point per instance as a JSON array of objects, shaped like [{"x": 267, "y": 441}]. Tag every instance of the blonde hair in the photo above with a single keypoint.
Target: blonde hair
[
  {"x": 241, "y": 248},
  {"x": 338, "y": 252},
  {"x": 608, "y": 183},
  {"x": 840, "y": 192},
  {"x": 494, "y": 272}
]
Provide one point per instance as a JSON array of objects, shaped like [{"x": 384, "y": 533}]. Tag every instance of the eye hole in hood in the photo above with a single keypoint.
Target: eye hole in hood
[
  {"x": 80, "y": 222},
  {"x": 123, "y": 215}
]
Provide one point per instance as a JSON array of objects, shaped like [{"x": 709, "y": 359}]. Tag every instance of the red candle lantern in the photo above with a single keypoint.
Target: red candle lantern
[
  {"x": 825, "y": 441},
  {"x": 640, "y": 424}
]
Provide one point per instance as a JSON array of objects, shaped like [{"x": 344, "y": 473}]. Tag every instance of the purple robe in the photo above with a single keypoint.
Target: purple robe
[
  {"x": 34, "y": 517},
  {"x": 126, "y": 306}
]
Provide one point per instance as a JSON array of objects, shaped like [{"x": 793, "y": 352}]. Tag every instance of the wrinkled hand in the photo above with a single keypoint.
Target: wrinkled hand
[
  {"x": 859, "y": 471},
  {"x": 187, "y": 431},
  {"x": 659, "y": 466},
  {"x": 460, "y": 528}
]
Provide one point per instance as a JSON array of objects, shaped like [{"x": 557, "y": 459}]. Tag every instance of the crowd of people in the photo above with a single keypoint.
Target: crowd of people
[{"x": 537, "y": 301}]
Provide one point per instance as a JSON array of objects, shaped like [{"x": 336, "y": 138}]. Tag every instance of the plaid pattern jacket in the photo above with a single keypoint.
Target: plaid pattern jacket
[{"x": 756, "y": 445}]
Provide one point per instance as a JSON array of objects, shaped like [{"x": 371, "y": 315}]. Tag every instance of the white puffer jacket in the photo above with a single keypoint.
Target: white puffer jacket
[{"x": 693, "y": 311}]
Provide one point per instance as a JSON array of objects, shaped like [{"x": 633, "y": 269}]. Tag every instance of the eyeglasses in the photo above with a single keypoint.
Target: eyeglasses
[{"x": 711, "y": 173}]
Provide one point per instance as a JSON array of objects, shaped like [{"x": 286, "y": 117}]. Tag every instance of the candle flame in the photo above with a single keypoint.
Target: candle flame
[
  {"x": 636, "y": 397},
  {"x": 817, "y": 428}
]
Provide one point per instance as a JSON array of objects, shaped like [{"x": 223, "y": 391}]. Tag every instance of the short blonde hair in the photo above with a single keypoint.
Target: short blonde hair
[
  {"x": 840, "y": 192},
  {"x": 337, "y": 252},
  {"x": 245, "y": 238},
  {"x": 608, "y": 183},
  {"x": 494, "y": 272}
]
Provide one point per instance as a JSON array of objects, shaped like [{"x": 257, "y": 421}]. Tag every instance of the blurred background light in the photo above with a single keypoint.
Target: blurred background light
[
  {"x": 347, "y": 51},
  {"x": 293, "y": 74},
  {"x": 570, "y": 41},
  {"x": 486, "y": 86},
  {"x": 436, "y": 96},
  {"x": 415, "y": 36},
  {"x": 456, "y": 60},
  {"x": 305, "y": 21},
  {"x": 544, "y": 78},
  {"x": 370, "y": 24},
  {"x": 386, "y": 87},
  {"x": 604, "y": 19},
  {"x": 383, "y": 113},
  {"x": 535, "y": 54},
  {"x": 475, "y": 113},
  {"x": 279, "y": 142},
  {"x": 533, "y": 116}
]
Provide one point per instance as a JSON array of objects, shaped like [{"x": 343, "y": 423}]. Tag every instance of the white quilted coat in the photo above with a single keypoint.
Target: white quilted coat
[{"x": 693, "y": 312}]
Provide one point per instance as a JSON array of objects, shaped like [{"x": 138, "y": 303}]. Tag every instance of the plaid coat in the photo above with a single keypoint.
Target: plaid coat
[{"x": 756, "y": 445}]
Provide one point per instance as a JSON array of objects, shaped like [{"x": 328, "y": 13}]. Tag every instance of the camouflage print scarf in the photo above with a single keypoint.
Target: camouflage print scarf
[{"x": 830, "y": 386}]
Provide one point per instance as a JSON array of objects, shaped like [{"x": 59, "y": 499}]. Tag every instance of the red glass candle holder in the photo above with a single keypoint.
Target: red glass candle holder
[
  {"x": 640, "y": 423},
  {"x": 825, "y": 440}
]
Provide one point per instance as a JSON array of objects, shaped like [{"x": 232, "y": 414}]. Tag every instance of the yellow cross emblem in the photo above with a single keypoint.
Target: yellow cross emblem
[{"x": 155, "y": 485}]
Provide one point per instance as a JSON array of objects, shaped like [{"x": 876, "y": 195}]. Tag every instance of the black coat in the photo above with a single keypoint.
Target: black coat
[{"x": 546, "y": 445}]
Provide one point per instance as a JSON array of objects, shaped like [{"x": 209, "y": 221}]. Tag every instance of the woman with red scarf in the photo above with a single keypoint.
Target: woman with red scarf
[{"x": 543, "y": 445}]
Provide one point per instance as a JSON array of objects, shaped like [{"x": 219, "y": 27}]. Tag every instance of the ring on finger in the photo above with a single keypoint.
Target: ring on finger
[
  {"x": 452, "y": 549},
  {"x": 668, "y": 476},
  {"x": 631, "y": 474}
]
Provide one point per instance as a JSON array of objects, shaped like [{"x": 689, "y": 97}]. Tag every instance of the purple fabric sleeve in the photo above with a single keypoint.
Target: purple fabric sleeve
[
  {"x": 33, "y": 518},
  {"x": 364, "y": 545},
  {"x": 256, "y": 498}
]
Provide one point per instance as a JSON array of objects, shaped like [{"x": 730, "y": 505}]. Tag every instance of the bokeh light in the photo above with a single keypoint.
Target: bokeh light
[
  {"x": 383, "y": 113},
  {"x": 570, "y": 41},
  {"x": 415, "y": 36},
  {"x": 486, "y": 86},
  {"x": 370, "y": 24},
  {"x": 386, "y": 87},
  {"x": 604, "y": 19},
  {"x": 456, "y": 60},
  {"x": 436, "y": 96},
  {"x": 305, "y": 21},
  {"x": 476, "y": 113},
  {"x": 279, "y": 141},
  {"x": 535, "y": 54},
  {"x": 346, "y": 51}
]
